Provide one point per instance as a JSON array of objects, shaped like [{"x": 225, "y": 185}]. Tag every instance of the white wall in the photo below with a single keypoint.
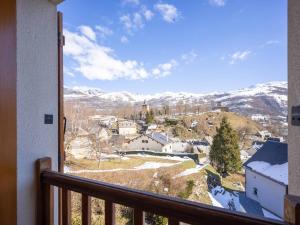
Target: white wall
[
  {"x": 137, "y": 144},
  {"x": 179, "y": 146},
  {"x": 36, "y": 95},
  {"x": 270, "y": 193},
  {"x": 127, "y": 130},
  {"x": 168, "y": 148}
]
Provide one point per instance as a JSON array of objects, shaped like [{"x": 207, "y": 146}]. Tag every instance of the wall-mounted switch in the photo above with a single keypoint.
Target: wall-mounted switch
[
  {"x": 48, "y": 119},
  {"x": 296, "y": 115}
]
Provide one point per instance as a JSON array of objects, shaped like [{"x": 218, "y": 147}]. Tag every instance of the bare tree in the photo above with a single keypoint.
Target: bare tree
[{"x": 95, "y": 148}]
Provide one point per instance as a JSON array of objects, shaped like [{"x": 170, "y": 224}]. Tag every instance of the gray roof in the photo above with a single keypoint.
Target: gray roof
[
  {"x": 272, "y": 152},
  {"x": 160, "y": 138}
]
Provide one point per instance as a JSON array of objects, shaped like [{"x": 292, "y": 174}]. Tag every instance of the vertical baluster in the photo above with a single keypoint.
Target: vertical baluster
[
  {"x": 86, "y": 209},
  {"x": 172, "y": 221},
  {"x": 138, "y": 217},
  {"x": 292, "y": 209},
  {"x": 45, "y": 198},
  {"x": 109, "y": 213},
  {"x": 66, "y": 207},
  {"x": 49, "y": 204}
]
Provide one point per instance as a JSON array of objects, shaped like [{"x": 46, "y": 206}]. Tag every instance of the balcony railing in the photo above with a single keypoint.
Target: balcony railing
[{"x": 176, "y": 210}]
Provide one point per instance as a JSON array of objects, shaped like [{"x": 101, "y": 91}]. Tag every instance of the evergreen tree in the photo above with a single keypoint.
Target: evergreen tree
[
  {"x": 225, "y": 153},
  {"x": 150, "y": 117}
]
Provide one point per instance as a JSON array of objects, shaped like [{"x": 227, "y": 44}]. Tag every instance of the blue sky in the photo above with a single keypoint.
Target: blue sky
[{"x": 150, "y": 46}]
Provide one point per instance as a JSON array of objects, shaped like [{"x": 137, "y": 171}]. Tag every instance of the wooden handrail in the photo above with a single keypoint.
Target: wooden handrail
[{"x": 173, "y": 208}]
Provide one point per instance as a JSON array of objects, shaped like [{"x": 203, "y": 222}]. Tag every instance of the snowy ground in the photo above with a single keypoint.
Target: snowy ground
[
  {"x": 270, "y": 215},
  {"x": 176, "y": 158},
  {"x": 190, "y": 171},
  {"x": 153, "y": 165},
  {"x": 225, "y": 199}
]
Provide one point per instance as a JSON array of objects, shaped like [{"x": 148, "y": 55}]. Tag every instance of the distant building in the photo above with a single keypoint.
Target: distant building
[
  {"x": 151, "y": 128},
  {"x": 107, "y": 121},
  {"x": 145, "y": 110},
  {"x": 278, "y": 139},
  {"x": 267, "y": 176},
  {"x": 127, "y": 128},
  {"x": 194, "y": 124},
  {"x": 157, "y": 142},
  {"x": 103, "y": 134},
  {"x": 202, "y": 145},
  {"x": 179, "y": 146},
  {"x": 79, "y": 148},
  {"x": 220, "y": 107},
  {"x": 81, "y": 132},
  {"x": 263, "y": 134}
]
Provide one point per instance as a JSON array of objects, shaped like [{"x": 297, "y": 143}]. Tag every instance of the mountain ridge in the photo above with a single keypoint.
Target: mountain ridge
[{"x": 268, "y": 98}]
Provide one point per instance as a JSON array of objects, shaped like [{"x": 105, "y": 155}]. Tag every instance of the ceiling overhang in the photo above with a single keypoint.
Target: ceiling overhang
[{"x": 56, "y": 2}]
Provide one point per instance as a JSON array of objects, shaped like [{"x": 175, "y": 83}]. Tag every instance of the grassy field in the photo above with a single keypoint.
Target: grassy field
[
  {"x": 162, "y": 180},
  {"x": 128, "y": 162}
]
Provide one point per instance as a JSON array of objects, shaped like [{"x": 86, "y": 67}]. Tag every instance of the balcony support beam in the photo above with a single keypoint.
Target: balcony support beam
[{"x": 292, "y": 209}]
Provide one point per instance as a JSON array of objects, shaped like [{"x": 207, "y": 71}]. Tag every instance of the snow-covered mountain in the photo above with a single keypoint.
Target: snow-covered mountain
[{"x": 267, "y": 98}]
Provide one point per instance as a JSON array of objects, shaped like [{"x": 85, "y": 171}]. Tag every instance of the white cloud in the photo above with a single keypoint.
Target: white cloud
[
  {"x": 124, "y": 39},
  {"x": 169, "y": 12},
  {"x": 138, "y": 20},
  {"x": 134, "y": 2},
  {"x": 88, "y": 32},
  {"x": 97, "y": 62},
  {"x": 165, "y": 69},
  {"x": 148, "y": 14},
  {"x": 189, "y": 57},
  {"x": 132, "y": 22},
  {"x": 218, "y": 3},
  {"x": 239, "y": 56},
  {"x": 104, "y": 31},
  {"x": 270, "y": 42},
  {"x": 126, "y": 21},
  {"x": 68, "y": 72}
]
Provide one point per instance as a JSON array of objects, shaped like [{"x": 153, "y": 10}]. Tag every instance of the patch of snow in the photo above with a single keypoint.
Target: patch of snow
[
  {"x": 277, "y": 172},
  {"x": 153, "y": 165},
  {"x": 270, "y": 215},
  {"x": 66, "y": 169},
  {"x": 175, "y": 158},
  {"x": 190, "y": 171},
  {"x": 225, "y": 199},
  {"x": 214, "y": 201}
]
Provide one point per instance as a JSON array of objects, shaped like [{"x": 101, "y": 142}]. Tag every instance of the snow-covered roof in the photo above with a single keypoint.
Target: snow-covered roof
[
  {"x": 271, "y": 160},
  {"x": 277, "y": 172}
]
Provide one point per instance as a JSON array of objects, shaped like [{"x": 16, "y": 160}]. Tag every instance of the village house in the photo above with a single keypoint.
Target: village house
[
  {"x": 79, "y": 148},
  {"x": 181, "y": 147},
  {"x": 157, "y": 142},
  {"x": 263, "y": 135},
  {"x": 101, "y": 120},
  {"x": 127, "y": 128},
  {"x": 151, "y": 128},
  {"x": 80, "y": 132},
  {"x": 267, "y": 176},
  {"x": 220, "y": 108},
  {"x": 202, "y": 146}
]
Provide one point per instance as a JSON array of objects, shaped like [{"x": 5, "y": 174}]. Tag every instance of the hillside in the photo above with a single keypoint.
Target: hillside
[{"x": 208, "y": 122}]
